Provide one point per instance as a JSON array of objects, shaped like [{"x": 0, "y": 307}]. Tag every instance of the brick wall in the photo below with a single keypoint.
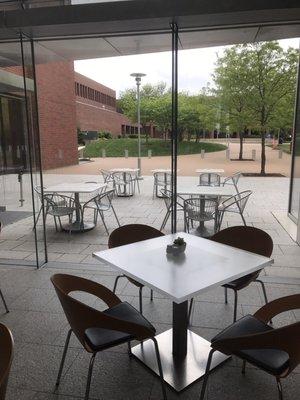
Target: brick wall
[
  {"x": 57, "y": 114},
  {"x": 93, "y": 115}
]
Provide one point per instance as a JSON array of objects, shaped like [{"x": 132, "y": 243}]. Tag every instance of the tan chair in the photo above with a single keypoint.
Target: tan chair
[
  {"x": 245, "y": 238},
  {"x": 97, "y": 330},
  {"x": 1, "y": 294},
  {"x": 6, "y": 349},
  {"x": 128, "y": 234},
  {"x": 275, "y": 351}
]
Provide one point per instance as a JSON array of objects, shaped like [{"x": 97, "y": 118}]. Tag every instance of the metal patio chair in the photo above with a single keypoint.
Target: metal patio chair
[
  {"x": 100, "y": 204},
  {"x": 167, "y": 196},
  {"x": 100, "y": 330},
  {"x": 124, "y": 184},
  {"x": 234, "y": 204},
  {"x": 233, "y": 180},
  {"x": 6, "y": 350},
  {"x": 1, "y": 294},
  {"x": 107, "y": 177},
  {"x": 58, "y": 206},
  {"x": 251, "y": 338},
  {"x": 200, "y": 210},
  {"x": 161, "y": 180},
  {"x": 128, "y": 234},
  {"x": 209, "y": 179},
  {"x": 250, "y": 239}
]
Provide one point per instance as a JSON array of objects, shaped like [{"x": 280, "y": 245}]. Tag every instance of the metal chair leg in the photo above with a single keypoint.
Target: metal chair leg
[
  {"x": 165, "y": 220},
  {"x": 235, "y": 305},
  {"x": 37, "y": 218},
  {"x": 190, "y": 310},
  {"x": 279, "y": 387},
  {"x": 264, "y": 292},
  {"x": 63, "y": 357},
  {"x": 102, "y": 218},
  {"x": 151, "y": 295},
  {"x": 116, "y": 282},
  {"x": 244, "y": 221},
  {"x": 204, "y": 384},
  {"x": 89, "y": 378},
  {"x": 129, "y": 349},
  {"x": 226, "y": 294},
  {"x": 141, "y": 299},
  {"x": 161, "y": 374},
  {"x": 4, "y": 302},
  {"x": 113, "y": 210},
  {"x": 244, "y": 367}
]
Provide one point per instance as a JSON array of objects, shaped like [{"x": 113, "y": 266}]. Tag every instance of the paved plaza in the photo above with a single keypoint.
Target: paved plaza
[{"x": 39, "y": 325}]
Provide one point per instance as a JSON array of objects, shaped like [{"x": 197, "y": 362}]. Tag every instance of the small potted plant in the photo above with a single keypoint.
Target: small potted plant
[{"x": 177, "y": 247}]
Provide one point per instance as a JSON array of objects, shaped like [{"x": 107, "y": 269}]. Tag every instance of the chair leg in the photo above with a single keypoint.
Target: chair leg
[
  {"x": 264, "y": 292},
  {"x": 116, "y": 282},
  {"x": 113, "y": 210},
  {"x": 244, "y": 367},
  {"x": 37, "y": 218},
  {"x": 235, "y": 305},
  {"x": 4, "y": 302},
  {"x": 279, "y": 387},
  {"x": 55, "y": 224},
  {"x": 161, "y": 374},
  {"x": 165, "y": 220},
  {"x": 151, "y": 295},
  {"x": 129, "y": 349},
  {"x": 89, "y": 378},
  {"x": 226, "y": 294},
  {"x": 102, "y": 218},
  {"x": 190, "y": 311},
  {"x": 204, "y": 384},
  {"x": 141, "y": 299},
  {"x": 244, "y": 221},
  {"x": 63, "y": 357}
]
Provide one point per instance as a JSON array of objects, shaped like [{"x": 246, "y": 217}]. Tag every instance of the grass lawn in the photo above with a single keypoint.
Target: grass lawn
[{"x": 116, "y": 147}]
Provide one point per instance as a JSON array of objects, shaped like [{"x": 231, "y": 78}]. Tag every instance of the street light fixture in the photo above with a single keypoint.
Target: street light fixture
[{"x": 138, "y": 77}]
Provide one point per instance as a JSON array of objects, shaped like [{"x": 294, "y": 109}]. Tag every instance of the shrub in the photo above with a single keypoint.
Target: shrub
[
  {"x": 133, "y": 136},
  {"x": 80, "y": 137},
  {"x": 105, "y": 135}
]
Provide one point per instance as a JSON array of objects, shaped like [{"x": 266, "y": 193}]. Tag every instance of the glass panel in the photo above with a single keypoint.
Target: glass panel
[
  {"x": 95, "y": 107},
  {"x": 18, "y": 141},
  {"x": 295, "y": 194}
]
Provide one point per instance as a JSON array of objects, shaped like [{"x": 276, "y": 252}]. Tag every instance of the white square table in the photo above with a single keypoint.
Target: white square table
[
  {"x": 133, "y": 171},
  {"x": 204, "y": 265},
  {"x": 68, "y": 187}
]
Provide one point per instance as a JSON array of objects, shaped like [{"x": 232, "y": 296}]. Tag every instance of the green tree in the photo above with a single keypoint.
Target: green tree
[{"x": 257, "y": 82}]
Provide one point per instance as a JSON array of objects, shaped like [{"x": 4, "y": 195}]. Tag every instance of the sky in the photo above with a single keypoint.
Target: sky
[{"x": 195, "y": 68}]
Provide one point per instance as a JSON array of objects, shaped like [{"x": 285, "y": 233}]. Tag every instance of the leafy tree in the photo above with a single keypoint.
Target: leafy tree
[{"x": 256, "y": 82}]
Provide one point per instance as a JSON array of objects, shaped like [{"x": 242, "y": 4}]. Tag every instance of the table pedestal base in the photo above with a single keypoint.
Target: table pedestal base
[
  {"x": 77, "y": 227},
  {"x": 179, "y": 375}
]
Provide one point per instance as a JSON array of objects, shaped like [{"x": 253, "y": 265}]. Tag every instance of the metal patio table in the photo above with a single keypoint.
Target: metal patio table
[
  {"x": 63, "y": 188},
  {"x": 204, "y": 265}
]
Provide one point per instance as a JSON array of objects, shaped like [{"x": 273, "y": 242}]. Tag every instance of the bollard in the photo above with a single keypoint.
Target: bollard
[
  {"x": 253, "y": 154},
  {"x": 126, "y": 153},
  {"x": 103, "y": 153},
  {"x": 280, "y": 153},
  {"x": 202, "y": 153},
  {"x": 149, "y": 153},
  {"x": 60, "y": 154},
  {"x": 227, "y": 154}
]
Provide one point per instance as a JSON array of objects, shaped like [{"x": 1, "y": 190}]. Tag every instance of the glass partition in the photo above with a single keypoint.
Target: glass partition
[{"x": 19, "y": 157}]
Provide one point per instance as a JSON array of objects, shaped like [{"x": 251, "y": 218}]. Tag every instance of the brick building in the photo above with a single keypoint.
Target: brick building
[
  {"x": 68, "y": 100},
  {"x": 96, "y": 108}
]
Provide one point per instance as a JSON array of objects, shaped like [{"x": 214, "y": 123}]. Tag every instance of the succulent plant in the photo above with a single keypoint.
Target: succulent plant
[{"x": 179, "y": 241}]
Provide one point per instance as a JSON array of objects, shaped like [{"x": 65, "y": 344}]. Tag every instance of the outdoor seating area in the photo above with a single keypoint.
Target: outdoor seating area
[{"x": 130, "y": 277}]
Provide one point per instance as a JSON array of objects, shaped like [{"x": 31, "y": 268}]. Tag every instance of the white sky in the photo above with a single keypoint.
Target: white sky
[{"x": 195, "y": 68}]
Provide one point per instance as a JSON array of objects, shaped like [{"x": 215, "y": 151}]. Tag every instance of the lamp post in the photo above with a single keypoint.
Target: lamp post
[{"x": 138, "y": 77}]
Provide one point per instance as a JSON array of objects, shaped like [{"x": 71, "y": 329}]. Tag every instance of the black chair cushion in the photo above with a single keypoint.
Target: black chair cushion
[
  {"x": 271, "y": 360},
  {"x": 100, "y": 339}
]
